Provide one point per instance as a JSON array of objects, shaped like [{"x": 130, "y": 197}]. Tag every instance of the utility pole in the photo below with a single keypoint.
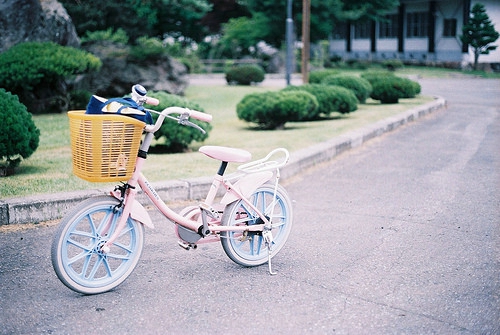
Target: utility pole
[
  {"x": 289, "y": 42},
  {"x": 306, "y": 23}
]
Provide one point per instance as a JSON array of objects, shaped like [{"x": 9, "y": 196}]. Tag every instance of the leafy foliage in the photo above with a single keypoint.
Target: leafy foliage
[
  {"x": 330, "y": 99},
  {"x": 271, "y": 110},
  {"x": 479, "y": 33},
  {"x": 324, "y": 15},
  {"x": 174, "y": 137},
  {"x": 361, "y": 87},
  {"x": 147, "y": 49},
  {"x": 317, "y": 76},
  {"x": 245, "y": 74},
  {"x": 392, "y": 88},
  {"x": 240, "y": 34},
  {"x": 139, "y": 18},
  {"x": 392, "y": 64},
  {"x": 116, "y": 36},
  {"x": 28, "y": 64},
  {"x": 19, "y": 136},
  {"x": 374, "y": 75}
]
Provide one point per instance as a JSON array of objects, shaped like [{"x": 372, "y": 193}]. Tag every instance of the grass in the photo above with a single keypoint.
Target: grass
[{"x": 49, "y": 169}]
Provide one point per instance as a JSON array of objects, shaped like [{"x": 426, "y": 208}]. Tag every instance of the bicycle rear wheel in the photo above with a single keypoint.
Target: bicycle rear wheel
[
  {"x": 248, "y": 248},
  {"x": 76, "y": 249}
]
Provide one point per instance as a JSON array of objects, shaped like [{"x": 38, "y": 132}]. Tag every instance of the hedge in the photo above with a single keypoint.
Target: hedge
[
  {"x": 330, "y": 99},
  {"x": 271, "y": 110},
  {"x": 361, "y": 87}
]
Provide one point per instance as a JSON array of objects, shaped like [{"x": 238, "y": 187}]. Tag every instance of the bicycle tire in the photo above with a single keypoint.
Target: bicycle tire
[
  {"x": 248, "y": 249},
  {"x": 76, "y": 256}
]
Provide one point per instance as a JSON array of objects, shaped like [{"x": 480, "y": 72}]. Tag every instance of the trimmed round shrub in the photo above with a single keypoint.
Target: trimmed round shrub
[
  {"x": 271, "y": 110},
  {"x": 245, "y": 74},
  {"x": 372, "y": 76},
  {"x": 174, "y": 137},
  {"x": 416, "y": 89},
  {"x": 361, "y": 87},
  {"x": 29, "y": 64},
  {"x": 19, "y": 136},
  {"x": 393, "y": 64},
  {"x": 36, "y": 72},
  {"x": 330, "y": 99},
  {"x": 392, "y": 88},
  {"x": 317, "y": 76}
]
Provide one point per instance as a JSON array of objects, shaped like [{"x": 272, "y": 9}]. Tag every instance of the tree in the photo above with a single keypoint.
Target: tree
[
  {"x": 479, "y": 33},
  {"x": 222, "y": 11},
  {"x": 324, "y": 15},
  {"x": 152, "y": 18}
]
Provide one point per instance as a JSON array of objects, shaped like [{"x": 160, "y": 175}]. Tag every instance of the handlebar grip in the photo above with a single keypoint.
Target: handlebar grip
[
  {"x": 200, "y": 116},
  {"x": 152, "y": 101}
]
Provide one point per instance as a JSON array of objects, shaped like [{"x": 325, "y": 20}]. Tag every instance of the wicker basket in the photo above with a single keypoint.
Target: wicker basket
[{"x": 104, "y": 147}]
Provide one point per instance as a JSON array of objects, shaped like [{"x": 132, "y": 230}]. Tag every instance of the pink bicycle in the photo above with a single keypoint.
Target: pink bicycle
[{"x": 99, "y": 243}]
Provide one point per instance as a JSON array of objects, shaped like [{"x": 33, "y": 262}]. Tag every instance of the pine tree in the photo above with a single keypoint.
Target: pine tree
[{"x": 479, "y": 33}]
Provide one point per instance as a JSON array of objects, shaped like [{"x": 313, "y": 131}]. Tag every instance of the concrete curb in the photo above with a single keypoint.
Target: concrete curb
[{"x": 41, "y": 208}]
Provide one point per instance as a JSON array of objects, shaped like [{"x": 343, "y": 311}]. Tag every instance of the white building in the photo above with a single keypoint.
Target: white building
[{"x": 421, "y": 31}]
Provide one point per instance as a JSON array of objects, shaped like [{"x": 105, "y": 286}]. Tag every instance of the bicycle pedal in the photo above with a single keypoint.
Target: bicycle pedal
[{"x": 186, "y": 246}]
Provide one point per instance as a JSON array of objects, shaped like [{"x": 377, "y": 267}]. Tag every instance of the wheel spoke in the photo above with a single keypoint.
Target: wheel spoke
[
  {"x": 250, "y": 249},
  {"x": 76, "y": 250}
]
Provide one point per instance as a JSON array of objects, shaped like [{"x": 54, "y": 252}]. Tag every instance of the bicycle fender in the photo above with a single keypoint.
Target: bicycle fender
[
  {"x": 139, "y": 213},
  {"x": 246, "y": 185}
]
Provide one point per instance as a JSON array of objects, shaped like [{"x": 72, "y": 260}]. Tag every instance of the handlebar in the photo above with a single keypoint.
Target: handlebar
[
  {"x": 139, "y": 95},
  {"x": 183, "y": 118}
]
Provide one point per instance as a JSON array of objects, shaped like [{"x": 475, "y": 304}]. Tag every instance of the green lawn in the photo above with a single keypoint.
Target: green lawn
[{"x": 49, "y": 168}]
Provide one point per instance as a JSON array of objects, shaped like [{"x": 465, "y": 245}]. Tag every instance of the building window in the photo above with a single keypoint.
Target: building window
[
  {"x": 340, "y": 31},
  {"x": 450, "y": 28},
  {"x": 362, "y": 30},
  {"x": 417, "y": 25},
  {"x": 388, "y": 27}
]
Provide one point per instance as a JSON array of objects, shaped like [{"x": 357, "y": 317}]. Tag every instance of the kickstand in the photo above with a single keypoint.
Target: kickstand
[{"x": 268, "y": 238}]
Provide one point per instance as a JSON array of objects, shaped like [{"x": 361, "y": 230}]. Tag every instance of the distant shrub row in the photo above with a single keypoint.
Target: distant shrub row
[
  {"x": 328, "y": 92},
  {"x": 271, "y": 110}
]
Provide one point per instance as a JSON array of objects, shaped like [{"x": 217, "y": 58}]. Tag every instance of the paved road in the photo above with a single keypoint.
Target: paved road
[{"x": 398, "y": 236}]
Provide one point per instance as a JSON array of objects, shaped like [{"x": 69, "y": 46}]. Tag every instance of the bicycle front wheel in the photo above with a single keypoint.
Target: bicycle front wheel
[
  {"x": 249, "y": 248},
  {"x": 76, "y": 250}
]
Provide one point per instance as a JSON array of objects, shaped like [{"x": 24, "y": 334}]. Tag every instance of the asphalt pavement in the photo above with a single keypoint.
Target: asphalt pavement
[{"x": 395, "y": 236}]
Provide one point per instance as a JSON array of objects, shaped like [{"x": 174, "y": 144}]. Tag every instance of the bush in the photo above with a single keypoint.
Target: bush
[
  {"x": 392, "y": 64},
  {"x": 177, "y": 138},
  {"x": 271, "y": 110},
  {"x": 118, "y": 36},
  {"x": 245, "y": 74},
  {"x": 316, "y": 77},
  {"x": 361, "y": 87},
  {"x": 372, "y": 76},
  {"x": 147, "y": 49},
  {"x": 79, "y": 99},
  {"x": 27, "y": 65},
  {"x": 392, "y": 88},
  {"x": 330, "y": 99},
  {"x": 19, "y": 136}
]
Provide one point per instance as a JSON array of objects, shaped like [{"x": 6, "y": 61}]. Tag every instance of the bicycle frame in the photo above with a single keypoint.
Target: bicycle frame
[{"x": 246, "y": 183}]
